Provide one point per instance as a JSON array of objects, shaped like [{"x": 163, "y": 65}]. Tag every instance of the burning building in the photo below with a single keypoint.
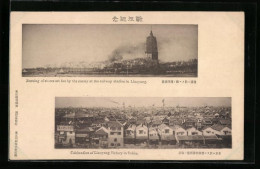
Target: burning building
[{"x": 151, "y": 47}]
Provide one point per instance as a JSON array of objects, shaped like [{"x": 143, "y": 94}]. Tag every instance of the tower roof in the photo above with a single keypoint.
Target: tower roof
[{"x": 151, "y": 33}]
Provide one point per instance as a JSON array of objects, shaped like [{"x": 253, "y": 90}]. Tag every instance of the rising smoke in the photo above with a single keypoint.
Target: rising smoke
[
  {"x": 127, "y": 51},
  {"x": 175, "y": 49}
]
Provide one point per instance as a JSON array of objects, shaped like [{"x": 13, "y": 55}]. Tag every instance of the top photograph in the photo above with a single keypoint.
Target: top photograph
[{"x": 109, "y": 50}]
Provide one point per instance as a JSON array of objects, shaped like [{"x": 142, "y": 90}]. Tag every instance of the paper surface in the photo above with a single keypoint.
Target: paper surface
[{"x": 34, "y": 96}]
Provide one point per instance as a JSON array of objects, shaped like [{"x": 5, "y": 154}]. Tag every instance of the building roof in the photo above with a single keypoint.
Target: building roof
[
  {"x": 70, "y": 115},
  {"x": 172, "y": 118},
  {"x": 102, "y": 131},
  {"x": 217, "y": 127},
  {"x": 140, "y": 121},
  {"x": 205, "y": 127},
  {"x": 207, "y": 121},
  {"x": 175, "y": 127},
  {"x": 225, "y": 122},
  {"x": 165, "y": 119},
  {"x": 81, "y": 115},
  {"x": 114, "y": 124},
  {"x": 162, "y": 126},
  {"x": 152, "y": 129},
  {"x": 141, "y": 125},
  {"x": 87, "y": 129},
  {"x": 81, "y": 135},
  {"x": 147, "y": 119},
  {"x": 190, "y": 120},
  {"x": 131, "y": 127},
  {"x": 191, "y": 128},
  {"x": 157, "y": 122}
]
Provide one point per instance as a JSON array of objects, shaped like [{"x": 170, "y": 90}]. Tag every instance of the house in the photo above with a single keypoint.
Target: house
[
  {"x": 111, "y": 118},
  {"x": 214, "y": 121},
  {"x": 98, "y": 122},
  {"x": 156, "y": 123},
  {"x": 210, "y": 135},
  {"x": 221, "y": 129},
  {"x": 179, "y": 131},
  {"x": 147, "y": 120},
  {"x": 132, "y": 120},
  {"x": 130, "y": 131},
  {"x": 165, "y": 121},
  {"x": 140, "y": 121},
  {"x": 66, "y": 135},
  {"x": 181, "y": 135},
  {"x": 224, "y": 133},
  {"x": 141, "y": 132},
  {"x": 101, "y": 137},
  {"x": 166, "y": 133},
  {"x": 159, "y": 117},
  {"x": 198, "y": 123},
  {"x": 189, "y": 122},
  {"x": 193, "y": 131},
  {"x": 153, "y": 135},
  {"x": 225, "y": 122},
  {"x": 84, "y": 135},
  {"x": 115, "y": 135},
  {"x": 206, "y": 122},
  {"x": 208, "y": 131},
  {"x": 172, "y": 121}
]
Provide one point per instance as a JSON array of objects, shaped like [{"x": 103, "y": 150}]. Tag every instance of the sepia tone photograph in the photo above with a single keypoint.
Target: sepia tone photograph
[
  {"x": 143, "y": 122},
  {"x": 138, "y": 50},
  {"x": 73, "y": 66}
]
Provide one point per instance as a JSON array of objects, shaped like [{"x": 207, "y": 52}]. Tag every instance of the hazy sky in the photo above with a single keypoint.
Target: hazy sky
[
  {"x": 139, "y": 102},
  {"x": 57, "y": 44}
]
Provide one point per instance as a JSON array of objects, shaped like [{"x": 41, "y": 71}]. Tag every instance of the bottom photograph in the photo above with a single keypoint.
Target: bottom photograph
[{"x": 143, "y": 122}]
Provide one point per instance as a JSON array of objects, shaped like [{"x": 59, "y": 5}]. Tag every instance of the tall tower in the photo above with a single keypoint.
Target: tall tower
[{"x": 151, "y": 47}]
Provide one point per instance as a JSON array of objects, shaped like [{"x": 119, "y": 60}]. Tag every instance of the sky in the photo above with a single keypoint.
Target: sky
[
  {"x": 140, "y": 101},
  {"x": 55, "y": 44}
]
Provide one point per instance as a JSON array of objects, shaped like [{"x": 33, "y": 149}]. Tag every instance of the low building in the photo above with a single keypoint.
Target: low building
[
  {"x": 221, "y": 130},
  {"x": 224, "y": 133},
  {"x": 166, "y": 133},
  {"x": 130, "y": 135},
  {"x": 189, "y": 122},
  {"x": 153, "y": 135},
  {"x": 179, "y": 131},
  {"x": 101, "y": 137},
  {"x": 206, "y": 122},
  {"x": 165, "y": 121},
  {"x": 141, "y": 132},
  {"x": 66, "y": 135},
  {"x": 225, "y": 122},
  {"x": 208, "y": 131},
  {"x": 156, "y": 123},
  {"x": 130, "y": 131},
  {"x": 193, "y": 131},
  {"x": 84, "y": 136}
]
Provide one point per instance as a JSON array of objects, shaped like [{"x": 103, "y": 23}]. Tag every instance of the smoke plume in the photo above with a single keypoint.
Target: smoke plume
[{"x": 127, "y": 51}]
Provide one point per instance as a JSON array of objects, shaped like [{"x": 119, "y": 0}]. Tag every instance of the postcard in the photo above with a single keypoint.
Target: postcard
[{"x": 126, "y": 86}]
